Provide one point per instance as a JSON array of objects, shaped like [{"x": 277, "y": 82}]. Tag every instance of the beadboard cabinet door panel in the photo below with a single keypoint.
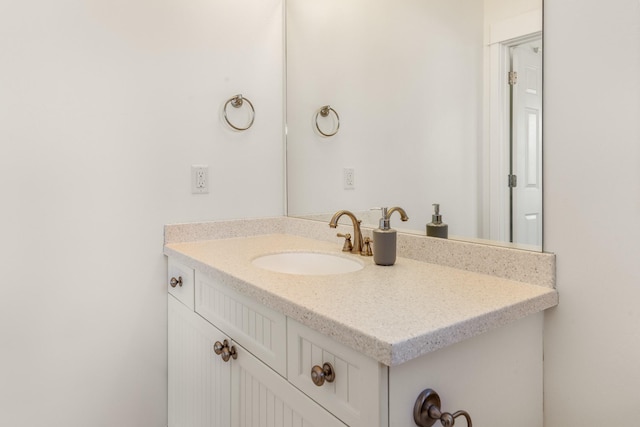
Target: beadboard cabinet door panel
[
  {"x": 199, "y": 380},
  {"x": 262, "y": 398}
]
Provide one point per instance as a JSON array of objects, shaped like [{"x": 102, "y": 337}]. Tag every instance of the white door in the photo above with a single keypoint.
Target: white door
[{"x": 527, "y": 144}]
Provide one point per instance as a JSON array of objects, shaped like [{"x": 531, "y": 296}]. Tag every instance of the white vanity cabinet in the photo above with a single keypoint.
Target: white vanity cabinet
[
  {"x": 495, "y": 376},
  {"x": 206, "y": 391}
]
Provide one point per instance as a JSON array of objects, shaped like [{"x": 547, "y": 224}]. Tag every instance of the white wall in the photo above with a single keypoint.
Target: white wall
[
  {"x": 592, "y": 211},
  {"x": 496, "y": 11},
  {"x": 104, "y": 105}
]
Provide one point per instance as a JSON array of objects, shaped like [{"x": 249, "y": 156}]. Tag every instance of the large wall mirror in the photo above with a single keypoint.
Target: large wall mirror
[{"x": 414, "y": 102}]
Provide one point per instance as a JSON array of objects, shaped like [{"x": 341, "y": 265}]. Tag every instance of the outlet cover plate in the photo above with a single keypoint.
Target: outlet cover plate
[
  {"x": 348, "y": 178},
  {"x": 199, "y": 179}
]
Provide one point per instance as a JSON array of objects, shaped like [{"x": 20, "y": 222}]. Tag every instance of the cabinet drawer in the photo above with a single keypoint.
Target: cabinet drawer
[
  {"x": 257, "y": 328},
  {"x": 359, "y": 385},
  {"x": 180, "y": 282}
]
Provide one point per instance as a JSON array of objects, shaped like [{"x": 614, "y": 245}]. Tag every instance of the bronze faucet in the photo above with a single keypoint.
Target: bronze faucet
[{"x": 357, "y": 234}]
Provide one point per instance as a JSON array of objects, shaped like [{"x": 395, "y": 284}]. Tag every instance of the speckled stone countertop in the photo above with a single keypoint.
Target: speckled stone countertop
[{"x": 392, "y": 314}]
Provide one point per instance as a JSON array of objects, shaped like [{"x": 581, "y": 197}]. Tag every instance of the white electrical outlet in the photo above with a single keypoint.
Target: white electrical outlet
[
  {"x": 348, "y": 178},
  {"x": 199, "y": 179}
]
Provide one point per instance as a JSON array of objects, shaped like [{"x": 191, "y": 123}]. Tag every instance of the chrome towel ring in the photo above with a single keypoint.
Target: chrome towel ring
[
  {"x": 324, "y": 112},
  {"x": 237, "y": 102}
]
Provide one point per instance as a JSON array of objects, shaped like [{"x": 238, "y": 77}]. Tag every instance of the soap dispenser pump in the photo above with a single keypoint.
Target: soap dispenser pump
[
  {"x": 436, "y": 228},
  {"x": 385, "y": 238}
]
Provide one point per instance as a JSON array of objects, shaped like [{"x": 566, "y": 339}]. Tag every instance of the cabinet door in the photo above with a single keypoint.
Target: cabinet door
[
  {"x": 262, "y": 398},
  {"x": 199, "y": 381}
]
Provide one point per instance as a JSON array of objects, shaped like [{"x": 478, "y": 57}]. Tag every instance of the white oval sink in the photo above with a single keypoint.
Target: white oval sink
[{"x": 307, "y": 263}]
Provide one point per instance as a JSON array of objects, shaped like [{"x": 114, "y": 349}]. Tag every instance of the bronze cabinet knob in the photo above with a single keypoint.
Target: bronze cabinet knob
[
  {"x": 218, "y": 347},
  {"x": 229, "y": 353},
  {"x": 222, "y": 349},
  {"x": 320, "y": 375},
  {"x": 174, "y": 282}
]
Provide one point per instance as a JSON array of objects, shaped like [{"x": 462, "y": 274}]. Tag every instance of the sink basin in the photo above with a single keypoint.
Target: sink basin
[{"x": 307, "y": 263}]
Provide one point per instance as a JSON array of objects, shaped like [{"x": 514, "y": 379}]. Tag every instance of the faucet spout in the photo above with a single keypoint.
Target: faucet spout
[
  {"x": 357, "y": 234},
  {"x": 403, "y": 214}
]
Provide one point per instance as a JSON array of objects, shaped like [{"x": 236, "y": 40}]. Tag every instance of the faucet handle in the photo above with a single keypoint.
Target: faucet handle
[
  {"x": 366, "y": 251},
  {"x": 347, "y": 242}
]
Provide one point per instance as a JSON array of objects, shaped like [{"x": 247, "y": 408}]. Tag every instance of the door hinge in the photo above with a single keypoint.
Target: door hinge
[
  {"x": 513, "y": 181},
  {"x": 513, "y": 77}
]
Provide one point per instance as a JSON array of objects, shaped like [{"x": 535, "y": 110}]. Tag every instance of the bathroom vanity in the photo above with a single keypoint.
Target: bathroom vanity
[{"x": 249, "y": 346}]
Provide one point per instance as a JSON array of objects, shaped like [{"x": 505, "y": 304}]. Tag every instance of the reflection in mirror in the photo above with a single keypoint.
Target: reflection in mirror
[{"x": 427, "y": 113}]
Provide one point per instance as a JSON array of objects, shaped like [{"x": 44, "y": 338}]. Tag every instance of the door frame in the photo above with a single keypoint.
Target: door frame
[{"x": 503, "y": 35}]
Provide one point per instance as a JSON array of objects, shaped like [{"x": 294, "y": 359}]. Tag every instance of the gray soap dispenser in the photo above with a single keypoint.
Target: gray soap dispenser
[
  {"x": 437, "y": 228},
  {"x": 384, "y": 237}
]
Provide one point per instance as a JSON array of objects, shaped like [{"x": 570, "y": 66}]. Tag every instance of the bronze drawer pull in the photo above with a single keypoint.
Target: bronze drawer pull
[{"x": 320, "y": 375}]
